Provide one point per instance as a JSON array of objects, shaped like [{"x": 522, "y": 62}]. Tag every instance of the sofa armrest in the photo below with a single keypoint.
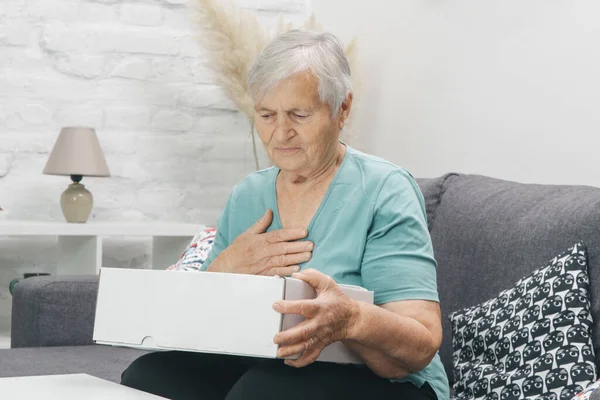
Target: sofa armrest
[{"x": 54, "y": 311}]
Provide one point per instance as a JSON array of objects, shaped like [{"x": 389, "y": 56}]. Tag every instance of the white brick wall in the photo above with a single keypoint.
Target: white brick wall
[{"x": 131, "y": 69}]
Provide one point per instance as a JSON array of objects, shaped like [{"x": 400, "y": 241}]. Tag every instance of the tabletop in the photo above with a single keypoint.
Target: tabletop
[{"x": 68, "y": 387}]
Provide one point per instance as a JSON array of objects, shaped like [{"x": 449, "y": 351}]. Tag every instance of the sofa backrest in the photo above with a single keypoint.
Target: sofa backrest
[{"x": 489, "y": 233}]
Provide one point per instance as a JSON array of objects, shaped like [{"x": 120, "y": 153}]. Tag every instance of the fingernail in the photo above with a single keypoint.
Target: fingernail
[
  {"x": 276, "y": 306},
  {"x": 295, "y": 274},
  {"x": 310, "y": 246},
  {"x": 296, "y": 269}
]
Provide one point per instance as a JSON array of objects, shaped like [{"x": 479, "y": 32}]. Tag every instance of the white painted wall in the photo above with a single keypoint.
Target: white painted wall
[
  {"x": 131, "y": 69},
  {"x": 505, "y": 88}
]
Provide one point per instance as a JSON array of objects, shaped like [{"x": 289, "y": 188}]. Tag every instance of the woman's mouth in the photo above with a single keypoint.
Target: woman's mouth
[{"x": 288, "y": 150}]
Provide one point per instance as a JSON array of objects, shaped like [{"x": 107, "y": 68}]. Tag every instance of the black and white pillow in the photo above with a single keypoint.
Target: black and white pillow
[{"x": 532, "y": 341}]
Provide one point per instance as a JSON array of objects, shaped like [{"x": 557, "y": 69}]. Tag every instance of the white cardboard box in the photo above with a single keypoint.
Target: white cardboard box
[{"x": 203, "y": 311}]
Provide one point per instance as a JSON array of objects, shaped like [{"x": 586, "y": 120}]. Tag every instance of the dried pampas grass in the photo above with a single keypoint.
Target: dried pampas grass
[{"x": 232, "y": 38}]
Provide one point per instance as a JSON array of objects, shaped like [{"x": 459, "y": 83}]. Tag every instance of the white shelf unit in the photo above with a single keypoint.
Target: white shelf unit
[{"x": 80, "y": 245}]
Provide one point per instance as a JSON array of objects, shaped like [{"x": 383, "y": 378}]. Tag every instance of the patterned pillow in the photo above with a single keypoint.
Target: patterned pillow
[
  {"x": 194, "y": 256},
  {"x": 532, "y": 341}
]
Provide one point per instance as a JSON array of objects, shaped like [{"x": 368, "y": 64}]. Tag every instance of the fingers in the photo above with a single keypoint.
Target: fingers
[
  {"x": 284, "y": 260},
  {"x": 298, "y": 334},
  {"x": 283, "y": 248},
  {"x": 306, "y": 308},
  {"x": 285, "y": 235},
  {"x": 316, "y": 279},
  {"x": 308, "y": 357},
  {"x": 295, "y": 349},
  {"x": 262, "y": 224}
]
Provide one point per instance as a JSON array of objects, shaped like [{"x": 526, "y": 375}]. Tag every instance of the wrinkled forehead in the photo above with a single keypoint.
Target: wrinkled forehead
[{"x": 299, "y": 90}]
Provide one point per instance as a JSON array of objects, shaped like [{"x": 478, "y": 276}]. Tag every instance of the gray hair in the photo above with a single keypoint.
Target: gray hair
[{"x": 297, "y": 51}]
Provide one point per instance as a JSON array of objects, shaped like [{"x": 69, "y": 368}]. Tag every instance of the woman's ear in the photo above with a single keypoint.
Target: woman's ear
[{"x": 345, "y": 109}]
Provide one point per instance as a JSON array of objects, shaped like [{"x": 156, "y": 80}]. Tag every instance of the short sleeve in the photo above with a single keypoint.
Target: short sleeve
[
  {"x": 222, "y": 235},
  {"x": 398, "y": 262}
]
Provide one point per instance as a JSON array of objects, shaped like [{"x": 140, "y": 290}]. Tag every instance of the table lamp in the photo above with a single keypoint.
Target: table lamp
[{"x": 77, "y": 153}]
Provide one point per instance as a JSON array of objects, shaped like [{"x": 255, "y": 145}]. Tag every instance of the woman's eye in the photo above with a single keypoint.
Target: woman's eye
[
  {"x": 266, "y": 116},
  {"x": 300, "y": 116}
]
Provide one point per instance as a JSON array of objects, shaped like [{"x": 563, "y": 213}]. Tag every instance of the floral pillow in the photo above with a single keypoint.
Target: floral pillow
[
  {"x": 194, "y": 256},
  {"x": 591, "y": 392}
]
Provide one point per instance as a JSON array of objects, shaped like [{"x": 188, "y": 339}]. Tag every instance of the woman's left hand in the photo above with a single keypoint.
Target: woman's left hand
[{"x": 329, "y": 318}]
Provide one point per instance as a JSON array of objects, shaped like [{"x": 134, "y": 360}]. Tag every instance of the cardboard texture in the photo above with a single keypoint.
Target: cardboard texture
[{"x": 205, "y": 312}]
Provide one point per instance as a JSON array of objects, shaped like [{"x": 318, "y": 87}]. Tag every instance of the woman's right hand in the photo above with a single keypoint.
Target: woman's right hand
[{"x": 258, "y": 252}]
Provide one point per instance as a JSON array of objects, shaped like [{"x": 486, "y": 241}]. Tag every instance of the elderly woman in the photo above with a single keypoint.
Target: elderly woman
[{"x": 327, "y": 214}]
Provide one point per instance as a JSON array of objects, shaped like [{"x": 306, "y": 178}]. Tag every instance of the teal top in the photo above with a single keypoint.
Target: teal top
[{"x": 370, "y": 230}]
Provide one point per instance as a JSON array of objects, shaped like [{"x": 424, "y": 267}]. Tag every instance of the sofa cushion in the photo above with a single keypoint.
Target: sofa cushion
[
  {"x": 532, "y": 339},
  {"x": 432, "y": 190},
  {"x": 103, "y": 362},
  {"x": 490, "y": 233},
  {"x": 54, "y": 311}
]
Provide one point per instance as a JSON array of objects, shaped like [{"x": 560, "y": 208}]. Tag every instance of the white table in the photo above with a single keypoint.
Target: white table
[
  {"x": 80, "y": 245},
  {"x": 68, "y": 387}
]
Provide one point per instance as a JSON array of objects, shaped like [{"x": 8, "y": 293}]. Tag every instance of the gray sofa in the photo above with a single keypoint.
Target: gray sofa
[
  {"x": 487, "y": 234},
  {"x": 51, "y": 332}
]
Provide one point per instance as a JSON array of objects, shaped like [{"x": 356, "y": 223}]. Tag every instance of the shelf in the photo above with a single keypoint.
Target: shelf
[
  {"x": 80, "y": 245},
  {"x": 49, "y": 228}
]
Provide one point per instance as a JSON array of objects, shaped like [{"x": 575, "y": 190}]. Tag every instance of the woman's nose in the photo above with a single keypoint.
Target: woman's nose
[{"x": 283, "y": 128}]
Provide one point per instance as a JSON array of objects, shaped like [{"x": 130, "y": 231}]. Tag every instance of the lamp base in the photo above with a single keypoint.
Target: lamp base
[{"x": 76, "y": 203}]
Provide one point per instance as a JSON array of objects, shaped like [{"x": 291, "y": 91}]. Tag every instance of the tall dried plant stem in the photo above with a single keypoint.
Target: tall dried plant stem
[
  {"x": 254, "y": 146},
  {"x": 232, "y": 38}
]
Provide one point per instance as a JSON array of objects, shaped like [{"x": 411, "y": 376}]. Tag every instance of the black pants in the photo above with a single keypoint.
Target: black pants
[{"x": 183, "y": 376}]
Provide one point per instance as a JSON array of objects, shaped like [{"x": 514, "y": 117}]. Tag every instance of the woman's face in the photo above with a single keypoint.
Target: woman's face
[{"x": 296, "y": 128}]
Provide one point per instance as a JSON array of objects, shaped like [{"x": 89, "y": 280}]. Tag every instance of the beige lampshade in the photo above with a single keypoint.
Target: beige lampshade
[{"x": 77, "y": 151}]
